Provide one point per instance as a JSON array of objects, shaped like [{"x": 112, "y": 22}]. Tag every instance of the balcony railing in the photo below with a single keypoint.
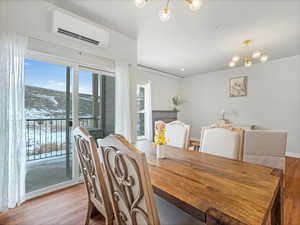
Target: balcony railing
[{"x": 47, "y": 138}]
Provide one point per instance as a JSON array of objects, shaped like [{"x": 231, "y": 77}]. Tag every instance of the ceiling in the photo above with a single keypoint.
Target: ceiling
[{"x": 198, "y": 42}]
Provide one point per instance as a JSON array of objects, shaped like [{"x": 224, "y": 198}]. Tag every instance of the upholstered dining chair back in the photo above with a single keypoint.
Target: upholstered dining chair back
[
  {"x": 98, "y": 199},
  {"x": 178, "y": 134},
  {"x": 129, "y": 182},
  {"x": 223, "y": 141},
  {"x": 266, "y": 147}
]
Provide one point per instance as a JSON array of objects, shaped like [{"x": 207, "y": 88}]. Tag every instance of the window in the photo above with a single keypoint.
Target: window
[{"x": 140, "y": 100}]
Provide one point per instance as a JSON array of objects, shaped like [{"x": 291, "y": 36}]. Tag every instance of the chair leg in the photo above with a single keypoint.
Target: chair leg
[
  {"x": 109, "y": 220},
  {"x": 92, "y": 211}
]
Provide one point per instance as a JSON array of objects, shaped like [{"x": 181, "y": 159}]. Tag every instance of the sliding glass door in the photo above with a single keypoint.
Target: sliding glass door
[
  {"x": 96, "y": 102},
  {"x": 59, "y": 97},
  {"x": 48, "y": 121},
  {"x": 89, "y": 102}
]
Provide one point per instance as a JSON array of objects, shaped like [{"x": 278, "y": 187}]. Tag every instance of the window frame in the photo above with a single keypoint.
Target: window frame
[
  {"x": 75, "y": 67},
  {"x": 143, "y": 137}
]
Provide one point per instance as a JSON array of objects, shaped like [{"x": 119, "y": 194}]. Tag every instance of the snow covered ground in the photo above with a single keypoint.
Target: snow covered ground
[
  {"x": 47, "y": 138},
  {"x": 45, "y": 111},
  {"x": 45, "y": 142}
]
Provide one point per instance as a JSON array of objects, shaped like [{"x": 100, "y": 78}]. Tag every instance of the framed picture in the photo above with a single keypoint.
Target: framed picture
[{"x": 238, "y": 86}]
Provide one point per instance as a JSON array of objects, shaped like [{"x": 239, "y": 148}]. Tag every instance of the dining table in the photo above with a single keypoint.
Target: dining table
[{"x": 214, "y": 189}]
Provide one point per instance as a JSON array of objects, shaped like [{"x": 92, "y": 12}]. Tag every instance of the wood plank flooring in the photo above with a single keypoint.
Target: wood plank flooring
[
  {"x": 68, "y": 207},
  {"x": 292, "y": 193}
]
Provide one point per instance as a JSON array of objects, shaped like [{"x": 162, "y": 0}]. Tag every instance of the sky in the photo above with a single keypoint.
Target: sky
[{"x": 53, "y": 76}]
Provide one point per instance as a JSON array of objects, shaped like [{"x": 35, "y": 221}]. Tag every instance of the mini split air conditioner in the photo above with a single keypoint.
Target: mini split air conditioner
[{"x": 76, "y": 29}]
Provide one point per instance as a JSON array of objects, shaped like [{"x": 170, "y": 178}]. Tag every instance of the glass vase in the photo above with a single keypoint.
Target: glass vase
[{"x": 159, "y": 152}]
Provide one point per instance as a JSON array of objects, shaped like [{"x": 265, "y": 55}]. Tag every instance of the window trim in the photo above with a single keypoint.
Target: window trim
[
  {"x": 143, "y": 137},
  {"x": 61, "y": 60}
]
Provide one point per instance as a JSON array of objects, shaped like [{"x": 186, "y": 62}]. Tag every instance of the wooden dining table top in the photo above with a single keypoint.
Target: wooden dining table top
[{"x": 206, "y": 185}]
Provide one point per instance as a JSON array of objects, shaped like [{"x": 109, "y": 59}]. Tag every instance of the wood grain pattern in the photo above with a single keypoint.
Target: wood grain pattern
[
  {"x": 277, "y": 211},
  {"x": 69, "y": 206},
  {"x": 216, "y": 217},
  {"x": 292, "y": 192},
  {"x": 240, "y": 190}
]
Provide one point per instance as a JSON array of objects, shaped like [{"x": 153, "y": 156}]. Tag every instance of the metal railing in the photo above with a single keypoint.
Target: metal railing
[{"x": 47, "y": 138}]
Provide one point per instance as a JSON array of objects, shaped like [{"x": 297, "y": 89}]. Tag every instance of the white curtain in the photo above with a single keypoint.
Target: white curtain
[
  {"x": 148, "y": 111},
  {"x": 12, "y": 120},
  {"x": 123, "y": 118}
]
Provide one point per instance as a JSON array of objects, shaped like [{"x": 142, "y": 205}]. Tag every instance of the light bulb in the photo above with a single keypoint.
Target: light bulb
[
  {"x": 264, "y": 58},
  {"x": 195, "y": 5},
  {"x": 235, "y": 58},
  {"x": 256, "y": 54},
  {"x": 248, "y": 63},
  {"x": 140, "y": 3},
  {"x": 164, "y": 14},
  {"x": 231, "y": 64}
]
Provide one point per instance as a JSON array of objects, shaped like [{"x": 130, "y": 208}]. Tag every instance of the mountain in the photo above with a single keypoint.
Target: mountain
[{"x": 48, "y": 103}]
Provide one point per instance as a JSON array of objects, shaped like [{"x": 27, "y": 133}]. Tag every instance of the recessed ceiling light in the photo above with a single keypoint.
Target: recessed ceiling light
[{"x": 182, "y": 69}]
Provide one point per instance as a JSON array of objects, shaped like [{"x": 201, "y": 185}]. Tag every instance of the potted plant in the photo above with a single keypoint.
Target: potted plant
[{"x": 177, "y": 101}]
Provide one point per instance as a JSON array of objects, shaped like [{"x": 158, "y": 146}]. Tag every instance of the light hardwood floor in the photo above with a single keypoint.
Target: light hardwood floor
[{"x": 68, "y": 207}]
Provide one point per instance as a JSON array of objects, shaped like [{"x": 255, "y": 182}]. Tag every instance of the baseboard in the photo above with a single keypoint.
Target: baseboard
[
  {"x": 50, "y": 189},
  {"x": 292, "y": 154}
]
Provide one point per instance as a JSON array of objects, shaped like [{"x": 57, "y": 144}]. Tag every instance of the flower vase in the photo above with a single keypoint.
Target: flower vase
[{"x": 159, "y": 152}]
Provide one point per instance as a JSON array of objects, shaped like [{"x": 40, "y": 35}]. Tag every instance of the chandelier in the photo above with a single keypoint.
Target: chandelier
[
  {"x": 255, "y": 57},
  {"x": 165, "y": 13}
]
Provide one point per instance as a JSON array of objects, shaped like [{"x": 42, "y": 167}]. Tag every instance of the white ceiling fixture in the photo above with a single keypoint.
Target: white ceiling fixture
[
  {"x": 76, "y": 29},
  {"x": 165, "y": 12},
  {"x": 249, "y": 59}
]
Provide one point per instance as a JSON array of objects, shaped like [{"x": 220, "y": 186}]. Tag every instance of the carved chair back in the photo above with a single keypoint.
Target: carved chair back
[
  {"x": 92, "y": 172},
  {"x": 223, "y": 140},
  {"x": 129, "y": 182}
]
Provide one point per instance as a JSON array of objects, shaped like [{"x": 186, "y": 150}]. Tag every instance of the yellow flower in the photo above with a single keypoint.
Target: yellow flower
[{"x": 160, "y": 138}]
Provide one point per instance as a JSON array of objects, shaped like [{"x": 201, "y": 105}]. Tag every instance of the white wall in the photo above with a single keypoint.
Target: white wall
[
  {"x": 164, "y": 87},
  {"x": 272, "y": 103},
  {"x": 33, "y": 18}
]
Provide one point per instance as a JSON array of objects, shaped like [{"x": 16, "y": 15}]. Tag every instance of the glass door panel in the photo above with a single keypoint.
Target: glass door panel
[
  {"x": 90, "y": 103},
  {"x": 48, "y": 112},
  {"x": 140, "y": 102}
]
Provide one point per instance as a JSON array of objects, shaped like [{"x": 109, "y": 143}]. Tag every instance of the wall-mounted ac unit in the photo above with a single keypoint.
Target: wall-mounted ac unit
[{"x": 76, "y": 29}]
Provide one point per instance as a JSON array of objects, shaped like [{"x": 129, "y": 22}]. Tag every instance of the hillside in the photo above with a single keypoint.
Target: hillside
[{"x": 47, "y": 103}]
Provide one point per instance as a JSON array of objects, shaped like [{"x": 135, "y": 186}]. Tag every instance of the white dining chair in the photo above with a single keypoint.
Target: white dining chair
[
  {"x": 226, "y": 141},
  {"x": 266, "y": 148},
  {"x": 178, "y": 134}
]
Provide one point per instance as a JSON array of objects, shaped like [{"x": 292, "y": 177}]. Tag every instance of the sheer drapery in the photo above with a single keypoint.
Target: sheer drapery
[
  {"x": 148, "y": 111},
  {"x": 12, "y": 120},
  {"x": 123, "y": 118}
]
